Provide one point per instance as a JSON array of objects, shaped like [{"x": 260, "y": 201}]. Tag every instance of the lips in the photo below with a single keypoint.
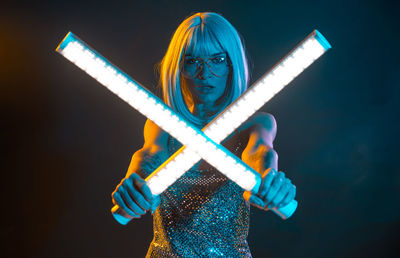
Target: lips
[{"x": 205, "y": 88}]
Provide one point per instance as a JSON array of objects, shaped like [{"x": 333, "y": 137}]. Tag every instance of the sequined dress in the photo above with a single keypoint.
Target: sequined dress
[{"x": 203, "y": 214}]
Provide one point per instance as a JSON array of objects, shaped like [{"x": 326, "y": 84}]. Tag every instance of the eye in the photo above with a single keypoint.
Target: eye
[
  {"x": 190, "y": 61},
  {"x": 218, "y": 59}
]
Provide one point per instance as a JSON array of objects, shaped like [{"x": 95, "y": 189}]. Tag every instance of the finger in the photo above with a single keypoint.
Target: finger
[
  {"x": 282, "y": 193},
  {"x": 132, "y": 184},
  {"x": 255, "y": 200},
  {"x": 289, "y": 197},
  {"x": 137, "y": 195},
  {"x": 116, "y": 210},
  {"x": 275, "y": 186},
  {"x": 118, "y": 198},
  {"x": 116, "y": 189},
  {"x": 136, "y": 200},
  {"x": 141, "y": 185},
  {"x": 130, "y": 200},
  {"x": 144, "y": 188},
  {"x": 134, "y": 176},
  {"x": 267, "y": 181},
  {"x": 258, "y": 202}
]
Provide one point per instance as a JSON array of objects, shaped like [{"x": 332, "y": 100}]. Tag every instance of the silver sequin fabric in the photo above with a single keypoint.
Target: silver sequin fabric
[{"x": 203, "y": 214}]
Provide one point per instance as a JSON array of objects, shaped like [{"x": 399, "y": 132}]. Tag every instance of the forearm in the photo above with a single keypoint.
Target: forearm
[{"x": 144, "y": 162}]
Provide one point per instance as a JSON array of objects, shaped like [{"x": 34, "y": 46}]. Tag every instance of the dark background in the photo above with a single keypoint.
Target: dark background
[{"x": 67, "y": 141}]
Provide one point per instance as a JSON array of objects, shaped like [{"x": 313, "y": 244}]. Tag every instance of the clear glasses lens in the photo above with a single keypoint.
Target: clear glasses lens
[{"x": 217, "y": 66}]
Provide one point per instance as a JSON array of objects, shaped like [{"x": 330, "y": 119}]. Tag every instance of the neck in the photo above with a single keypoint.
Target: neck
[{"x": 205, "y": 111}]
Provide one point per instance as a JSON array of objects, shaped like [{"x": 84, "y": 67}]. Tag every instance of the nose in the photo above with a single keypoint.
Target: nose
[{"x": 203, "y": 71}]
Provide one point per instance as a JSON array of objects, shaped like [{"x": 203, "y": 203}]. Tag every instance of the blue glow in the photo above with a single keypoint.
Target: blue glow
[
  {"x": 322, "y": 40},
  {"x": 70, "y": 37}
]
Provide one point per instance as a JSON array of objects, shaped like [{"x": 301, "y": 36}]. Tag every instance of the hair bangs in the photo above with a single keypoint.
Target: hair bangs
[{"x": 202, "y": 42}]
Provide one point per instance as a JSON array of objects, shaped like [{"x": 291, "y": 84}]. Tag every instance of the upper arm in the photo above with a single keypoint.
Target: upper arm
[
  {"x": 259, "y": 153},
  {"x": 152, "y": 154}
]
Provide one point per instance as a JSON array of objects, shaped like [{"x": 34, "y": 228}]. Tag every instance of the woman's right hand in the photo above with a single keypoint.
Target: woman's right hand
[{"x": 134, "y": 197}]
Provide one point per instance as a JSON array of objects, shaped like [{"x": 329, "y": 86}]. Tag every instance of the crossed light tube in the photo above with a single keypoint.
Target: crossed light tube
[{"x": 198, "y": 144}]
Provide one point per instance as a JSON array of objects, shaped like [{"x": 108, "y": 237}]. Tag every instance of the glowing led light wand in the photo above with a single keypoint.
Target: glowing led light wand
[{"x": 98, "y": 67}]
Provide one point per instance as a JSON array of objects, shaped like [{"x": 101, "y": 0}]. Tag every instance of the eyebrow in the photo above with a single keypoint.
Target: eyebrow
[{"x": 216, "y": 54}]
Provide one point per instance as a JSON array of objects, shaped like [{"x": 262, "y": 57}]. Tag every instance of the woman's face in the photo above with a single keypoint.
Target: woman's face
[{"x": 206, "y": 75}]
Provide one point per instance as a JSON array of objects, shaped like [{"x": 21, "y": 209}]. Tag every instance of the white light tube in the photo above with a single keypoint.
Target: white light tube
[
  {"x": 146, "y": 103},
  {"x": 117, "y": 81},
  {"x": 264, "y": 89}
]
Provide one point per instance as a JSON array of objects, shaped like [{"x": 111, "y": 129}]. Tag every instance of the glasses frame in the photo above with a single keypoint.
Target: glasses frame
[{"x": 199, "y": 62}]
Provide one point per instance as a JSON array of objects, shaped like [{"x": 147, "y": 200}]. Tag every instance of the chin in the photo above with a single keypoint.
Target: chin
[{"x": 207, "y": 99}]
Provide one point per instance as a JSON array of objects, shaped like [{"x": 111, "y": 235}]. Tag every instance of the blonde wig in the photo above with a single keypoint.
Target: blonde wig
[{"x": 197, "y": 34}]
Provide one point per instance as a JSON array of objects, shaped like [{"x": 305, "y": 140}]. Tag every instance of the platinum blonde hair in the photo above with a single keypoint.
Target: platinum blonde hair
[{"x": 197, "y": 34}]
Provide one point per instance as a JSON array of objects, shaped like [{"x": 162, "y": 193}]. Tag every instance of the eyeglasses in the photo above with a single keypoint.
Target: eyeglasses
[{"x": 194, "y": 67}]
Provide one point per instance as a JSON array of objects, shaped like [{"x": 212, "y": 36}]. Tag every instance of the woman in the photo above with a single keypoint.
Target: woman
[{"x": 203, "y": 213}]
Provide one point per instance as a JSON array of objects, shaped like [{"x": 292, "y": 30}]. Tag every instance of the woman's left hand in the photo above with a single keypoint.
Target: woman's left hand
[{"x": 276, "y": 191}]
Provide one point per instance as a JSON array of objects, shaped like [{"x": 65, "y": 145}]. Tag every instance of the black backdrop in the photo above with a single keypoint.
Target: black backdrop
[{"x": 67, "y": 141}]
